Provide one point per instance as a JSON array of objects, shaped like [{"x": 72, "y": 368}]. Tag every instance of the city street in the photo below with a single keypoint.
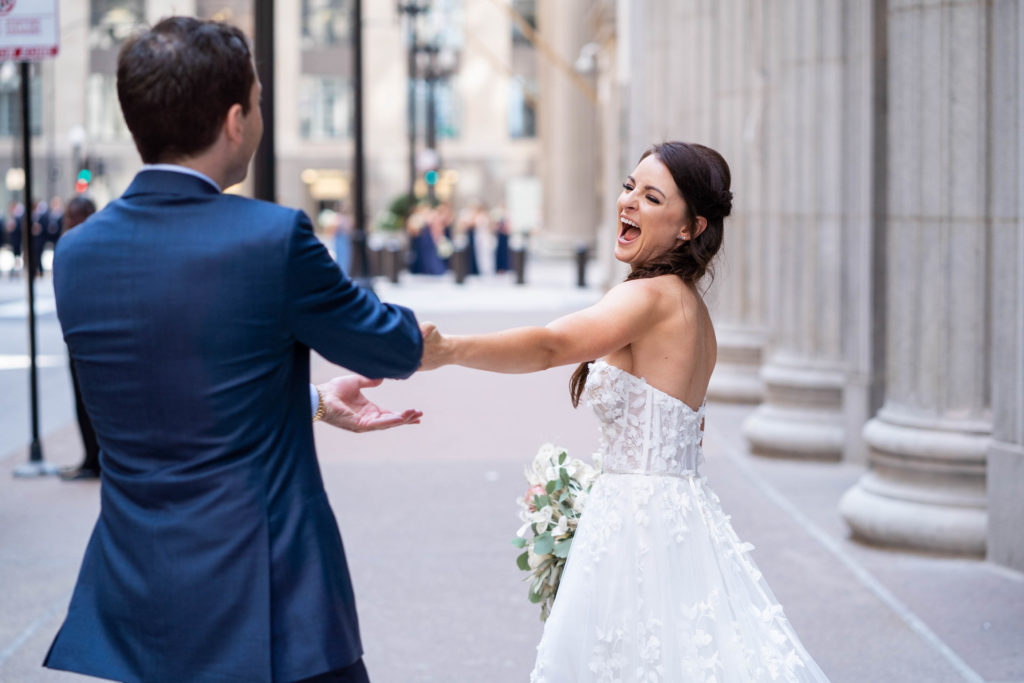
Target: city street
[{"x": 427, "y": 513}]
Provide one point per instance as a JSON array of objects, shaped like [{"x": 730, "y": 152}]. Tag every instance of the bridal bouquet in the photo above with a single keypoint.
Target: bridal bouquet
[{"x": 550, "y": 511}]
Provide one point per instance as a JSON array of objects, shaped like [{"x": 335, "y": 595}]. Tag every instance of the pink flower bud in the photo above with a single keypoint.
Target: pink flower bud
[{"x": 535, "y": 490}]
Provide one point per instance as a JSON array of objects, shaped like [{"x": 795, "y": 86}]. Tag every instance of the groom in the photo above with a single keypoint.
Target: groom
[{"x": 189, "y": 315}]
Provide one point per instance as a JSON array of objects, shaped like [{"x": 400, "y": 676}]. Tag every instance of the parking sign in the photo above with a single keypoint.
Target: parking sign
[{"x": 29, "y": 30}]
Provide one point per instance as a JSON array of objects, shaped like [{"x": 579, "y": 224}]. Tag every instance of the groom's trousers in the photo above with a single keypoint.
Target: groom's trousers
[{"x": 354, "y": 673}]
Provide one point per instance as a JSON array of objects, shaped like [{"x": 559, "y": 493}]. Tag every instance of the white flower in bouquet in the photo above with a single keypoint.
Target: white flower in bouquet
[
  {"x": 550, "y": 510},
  {"x": 562, "y": 528}
]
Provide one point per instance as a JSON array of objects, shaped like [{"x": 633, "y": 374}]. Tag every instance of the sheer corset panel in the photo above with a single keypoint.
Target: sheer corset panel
[{"x": 643, "y": 429}]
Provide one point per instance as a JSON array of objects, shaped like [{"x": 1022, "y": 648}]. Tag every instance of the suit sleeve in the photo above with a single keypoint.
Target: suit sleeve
[{"x": 343, "y": 322}]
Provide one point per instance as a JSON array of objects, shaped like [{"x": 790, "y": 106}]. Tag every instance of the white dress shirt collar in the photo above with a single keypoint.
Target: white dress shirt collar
[{"x": 175, "y": 168}]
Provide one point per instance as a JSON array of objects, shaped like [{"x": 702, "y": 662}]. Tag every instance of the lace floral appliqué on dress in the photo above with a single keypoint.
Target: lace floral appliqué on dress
[{"x": 658, "y": 588}]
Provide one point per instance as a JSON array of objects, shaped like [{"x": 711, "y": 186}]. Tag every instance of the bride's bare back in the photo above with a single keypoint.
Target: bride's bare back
[{"x": 677, "y": 353}]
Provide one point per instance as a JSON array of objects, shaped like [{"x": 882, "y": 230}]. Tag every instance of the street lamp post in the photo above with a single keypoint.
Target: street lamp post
[
  {"x": 431, "y": 133},
  {"x": 362, "y": 261},
  {"x": 412, "y": 10},
  {"x": 265, "y": 162}
]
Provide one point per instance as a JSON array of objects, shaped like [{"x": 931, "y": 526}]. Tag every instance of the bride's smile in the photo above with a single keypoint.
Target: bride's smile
[
  {"x": 628, "y": 230},
  {"x": 653, "y": 216}
]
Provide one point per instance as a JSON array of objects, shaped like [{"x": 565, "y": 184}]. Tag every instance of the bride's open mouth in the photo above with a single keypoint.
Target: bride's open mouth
[{"x": 628, "y": 230}]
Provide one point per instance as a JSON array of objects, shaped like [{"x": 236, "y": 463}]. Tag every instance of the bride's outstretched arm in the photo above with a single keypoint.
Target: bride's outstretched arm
[{"x": 623, "y": 315}]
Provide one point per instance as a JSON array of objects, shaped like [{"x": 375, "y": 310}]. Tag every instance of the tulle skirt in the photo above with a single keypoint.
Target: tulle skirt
[{"x": 657, "y": 588}]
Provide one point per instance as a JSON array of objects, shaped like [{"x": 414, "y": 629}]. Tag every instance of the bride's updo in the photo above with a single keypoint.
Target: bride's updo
[{"x": 702, "y": 177}]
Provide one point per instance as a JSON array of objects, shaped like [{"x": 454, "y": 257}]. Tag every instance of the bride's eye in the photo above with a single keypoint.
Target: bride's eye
[
  {"x": 627, "y": 187},
  {"x": 654, "y": 200}
]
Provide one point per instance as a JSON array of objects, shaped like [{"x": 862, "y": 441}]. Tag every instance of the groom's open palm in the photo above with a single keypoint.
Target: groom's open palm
[{"x": 347, "y": 408}]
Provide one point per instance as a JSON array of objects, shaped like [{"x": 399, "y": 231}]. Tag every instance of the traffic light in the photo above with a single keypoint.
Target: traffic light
[
  {"x": 431, "y": 177},
  {"x": 84, "y": 178}
]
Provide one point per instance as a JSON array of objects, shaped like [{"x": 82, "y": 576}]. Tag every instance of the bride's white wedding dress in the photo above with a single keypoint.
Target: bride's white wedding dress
[{"x": 657, "y": 586}]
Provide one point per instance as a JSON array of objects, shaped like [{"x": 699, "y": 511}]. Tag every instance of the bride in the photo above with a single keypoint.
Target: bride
[{"x": 657, "y": 586}]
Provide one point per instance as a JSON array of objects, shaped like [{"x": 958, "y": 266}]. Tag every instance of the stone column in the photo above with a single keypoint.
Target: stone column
[
  {"x": 717, "y": 100},
  {"x": 1006, "y": 450},
  {"x": 804, "y": 375},
  {"x": 737, "y": 295},
  {"x": 568, "y": 129},
  {"x": 927, "y": 445},
  {"x": 864, "y": 183}
]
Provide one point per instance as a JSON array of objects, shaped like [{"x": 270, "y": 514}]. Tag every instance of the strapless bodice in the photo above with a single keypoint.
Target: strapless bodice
[{"x": 643, "y": 430}]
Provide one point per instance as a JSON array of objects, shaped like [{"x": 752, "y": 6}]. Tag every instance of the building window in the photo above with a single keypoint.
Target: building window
[
  {"x": 235, "y": 12},
  {"x": 10, "y": 100},
  {"x": 326, "y": 106},
  {"x": 522, "y": 110},
  {"x": 112, "y": 21},
  {"x": 527, "y": 9},
  {"x": 104, "y": 121},
  {"x": 325, "y": 23}
]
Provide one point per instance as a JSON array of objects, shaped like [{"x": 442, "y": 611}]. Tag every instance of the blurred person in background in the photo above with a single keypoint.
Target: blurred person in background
[
  {"x": 40, "y": 229},
  {"x": 502, "y": 252},
  {"x": 55, "y": 228},
  {"x": 13, "y": 230}
]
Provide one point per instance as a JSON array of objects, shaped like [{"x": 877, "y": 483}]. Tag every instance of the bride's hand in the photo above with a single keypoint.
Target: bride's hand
[
  {"x": 347, "y": 408},
  {"x": 435, "y": 345}
]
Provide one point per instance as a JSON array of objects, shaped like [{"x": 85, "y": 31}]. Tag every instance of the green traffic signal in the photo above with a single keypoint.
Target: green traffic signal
[
  {"x": 430, "y": 177},
  {"x": 85, "y": 175}
]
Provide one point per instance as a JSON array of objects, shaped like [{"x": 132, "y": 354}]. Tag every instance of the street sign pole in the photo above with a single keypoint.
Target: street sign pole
[
  {"x": 30, "y": 32},
  {"x": 35, "y": 466}
]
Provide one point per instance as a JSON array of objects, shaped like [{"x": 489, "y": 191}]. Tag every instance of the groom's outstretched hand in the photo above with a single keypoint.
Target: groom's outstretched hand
[{"x": 347, "y": 408}]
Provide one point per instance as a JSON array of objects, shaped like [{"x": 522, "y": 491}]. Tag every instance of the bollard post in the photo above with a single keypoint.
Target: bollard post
[
  {"x": 358, "y": 269},
  {"x": 519, "y": 264},
  {"x": 375, "y": 260},
  {"x": 390, "y": 262},
  {"x": 460, "y": 264},
  {"x": 394, "y": 262},
  {"x": 581, "y": 265}
]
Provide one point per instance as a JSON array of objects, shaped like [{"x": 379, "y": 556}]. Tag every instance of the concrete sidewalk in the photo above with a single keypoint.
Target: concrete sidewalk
[{"x": 427, "y": 512}]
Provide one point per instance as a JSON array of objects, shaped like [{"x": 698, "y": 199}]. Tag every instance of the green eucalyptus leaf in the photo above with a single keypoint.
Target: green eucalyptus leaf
[
  {"x": 561, "y": 548},
  {"x": 543, "y": 544},
  {"x": 523, "y": 562},
  {"x": 564, "y": 476},
  {"x": 519, "y": 542},
  {"x": 561, "y": 457},
  {"x": 551, "y": 486}
]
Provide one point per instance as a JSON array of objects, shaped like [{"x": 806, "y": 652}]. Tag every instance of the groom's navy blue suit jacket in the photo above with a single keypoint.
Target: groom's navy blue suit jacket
[{"x": 189, "y": 315}]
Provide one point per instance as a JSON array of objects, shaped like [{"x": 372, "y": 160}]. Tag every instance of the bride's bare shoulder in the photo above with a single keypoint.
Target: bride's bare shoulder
[{"x": 648, "y": 286}]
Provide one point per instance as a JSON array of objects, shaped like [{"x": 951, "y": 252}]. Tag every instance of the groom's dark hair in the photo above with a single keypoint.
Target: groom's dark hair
[{"x": 177, "y": 81}]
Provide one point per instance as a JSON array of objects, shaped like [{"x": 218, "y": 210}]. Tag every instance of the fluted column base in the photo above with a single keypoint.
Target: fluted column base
[
  {"x": 925, "y": 489},
  {"x": 737, "y": 377},
  {"x": 802, "y": 415},
  {"x": 1005, "y": 470}
]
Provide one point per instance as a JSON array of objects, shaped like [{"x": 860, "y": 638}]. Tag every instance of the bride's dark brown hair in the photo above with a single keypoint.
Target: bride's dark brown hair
[{"x": 703, "y": 179}]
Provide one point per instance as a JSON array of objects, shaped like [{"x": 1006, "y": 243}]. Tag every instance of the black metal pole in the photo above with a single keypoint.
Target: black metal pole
[
  {"x": 362, "y": 260},
  {"x": 432, "y": 110},
  {"x": 265, "y": 161},
  {"x": 35, "y": 465}
]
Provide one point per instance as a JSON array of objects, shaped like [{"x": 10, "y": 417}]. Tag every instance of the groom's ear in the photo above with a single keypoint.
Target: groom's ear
[{"x": 234, "y": 123}]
